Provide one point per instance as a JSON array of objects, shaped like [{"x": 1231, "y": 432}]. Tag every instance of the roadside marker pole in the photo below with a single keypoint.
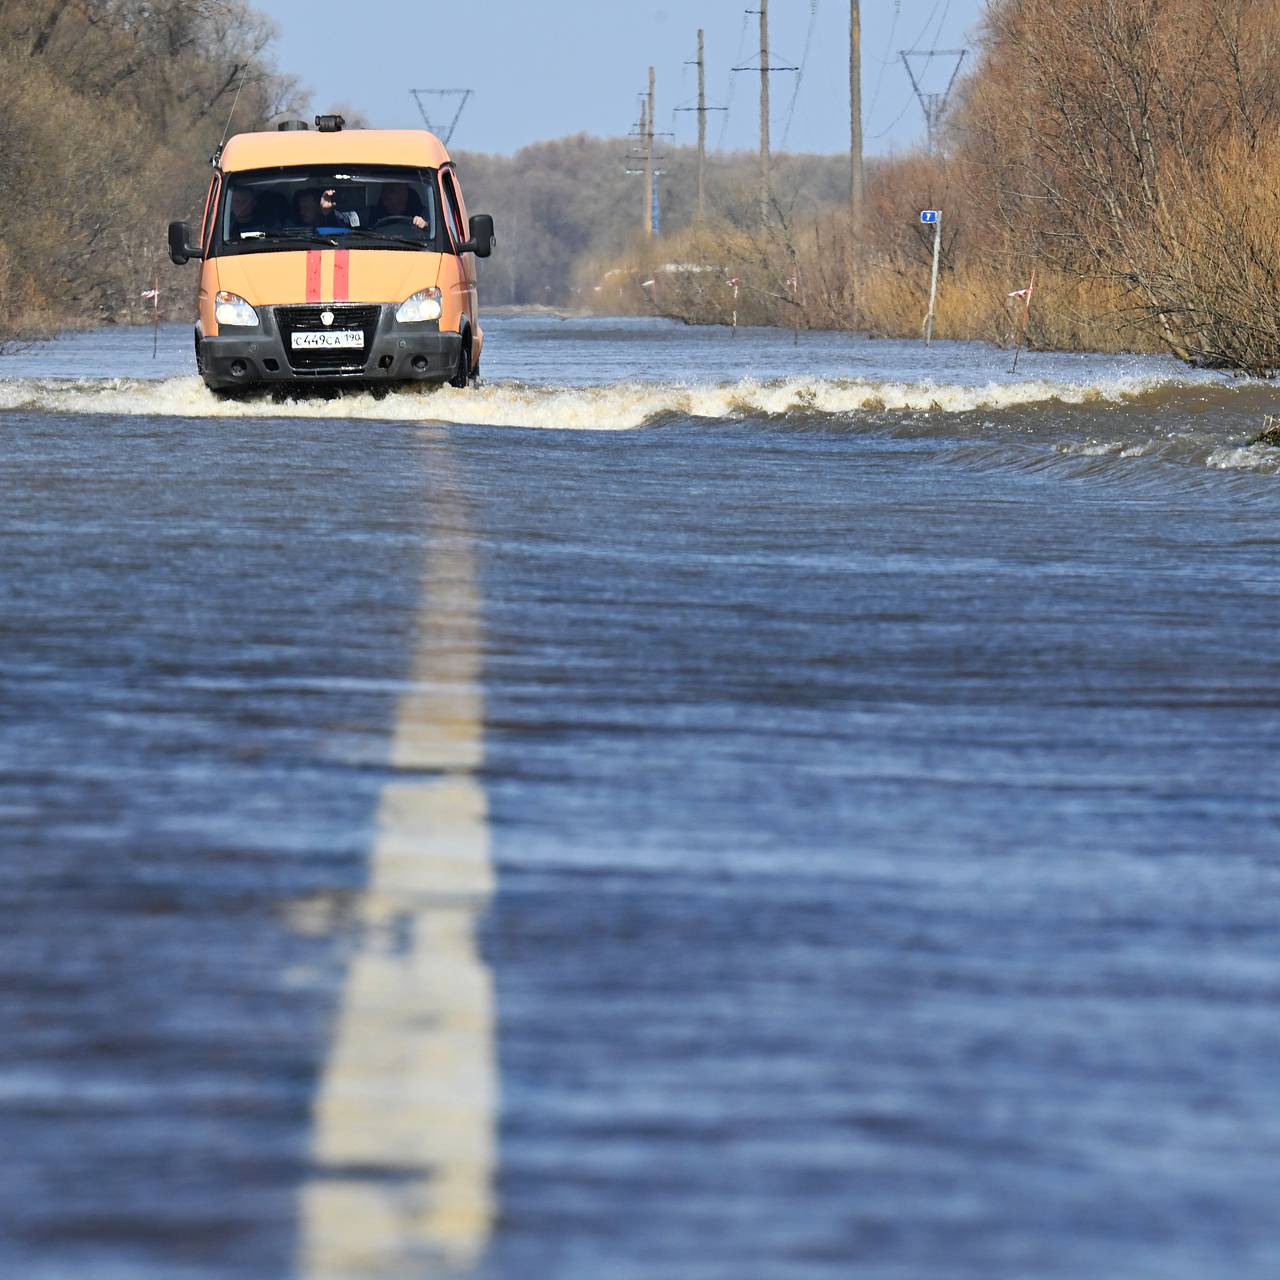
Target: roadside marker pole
[
  {"x": 932, "y": 217},
  {"x": 154, "y": 294},
  {"x": 1026, "y": 316}
]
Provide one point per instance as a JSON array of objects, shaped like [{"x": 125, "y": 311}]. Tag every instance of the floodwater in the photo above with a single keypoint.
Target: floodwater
[{"x": 698, "y": 806}]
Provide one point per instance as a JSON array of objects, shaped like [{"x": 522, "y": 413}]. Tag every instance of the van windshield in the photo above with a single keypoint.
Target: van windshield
[{"x": 376, "y": 208}]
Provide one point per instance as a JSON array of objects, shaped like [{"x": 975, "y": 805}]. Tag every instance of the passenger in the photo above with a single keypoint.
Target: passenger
[
  {"x": 319, "y": 208},
  {"x": 399, "y": 201}
]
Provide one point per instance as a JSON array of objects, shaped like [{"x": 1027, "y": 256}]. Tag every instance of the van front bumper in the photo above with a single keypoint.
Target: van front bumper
[{"x": 392, "y": 352}]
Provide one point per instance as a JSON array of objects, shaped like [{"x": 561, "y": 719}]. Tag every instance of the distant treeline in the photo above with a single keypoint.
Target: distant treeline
[
  {"x": 565, "y": 209},
  {"x": 1127, "y": 153},
  {"x": 110, "y": 110}
]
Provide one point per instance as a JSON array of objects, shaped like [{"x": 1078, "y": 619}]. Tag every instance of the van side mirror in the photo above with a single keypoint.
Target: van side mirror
[
  {"x": 179, "y": 248},
  {"x": 482, "y": 240}
]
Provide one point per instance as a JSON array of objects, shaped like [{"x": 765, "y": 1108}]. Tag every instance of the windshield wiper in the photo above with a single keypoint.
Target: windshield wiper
[{"x": 370, "y": 234}]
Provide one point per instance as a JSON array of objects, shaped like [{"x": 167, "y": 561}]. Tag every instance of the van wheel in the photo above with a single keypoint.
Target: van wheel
[{"x": 462, "y": 374}]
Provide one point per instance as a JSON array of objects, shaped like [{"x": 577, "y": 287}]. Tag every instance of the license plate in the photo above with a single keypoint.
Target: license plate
[{"x": 328, "y": 338}]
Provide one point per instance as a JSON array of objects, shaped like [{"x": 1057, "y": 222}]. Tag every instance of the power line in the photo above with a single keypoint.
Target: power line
[
  {"x": 937, "y": 4},
  {"x": 937, "y": 31},
  {"x": 884, "y": 62},
  {"x": 804, "y": 60},
  {"x": 906, "y": 106},
  {"x": 683, "y": 97},
  {"x": 728, "y": 100}
]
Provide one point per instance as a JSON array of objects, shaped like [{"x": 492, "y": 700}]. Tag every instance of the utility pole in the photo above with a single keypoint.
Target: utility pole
[
  {"x": 857, "y": 190},
  {"x": 702, "y": 131},
  {"x": 764, "y": 69},
  {"x": 764, "y": 111},
  {"x": 646, "y": 150},
  {"x": 647, "y": 135},
  {"x": 639, "y": 154},
  {"x": 649, "y": 177},
  {"x": 934, "y": 105},
  {"x": 702, "y": 109}
]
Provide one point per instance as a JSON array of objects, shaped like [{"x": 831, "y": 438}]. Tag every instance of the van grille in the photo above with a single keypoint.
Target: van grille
[{"x": 291, "y": 320}]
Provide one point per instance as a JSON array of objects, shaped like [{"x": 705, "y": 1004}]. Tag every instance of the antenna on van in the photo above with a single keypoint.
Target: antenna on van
[
  {"x": 444, "y": 134},
  {"x": 226, "y": 128}
]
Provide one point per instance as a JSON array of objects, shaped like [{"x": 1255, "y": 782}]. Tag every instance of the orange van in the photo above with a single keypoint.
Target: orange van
[{"x": 335, "y": 255}]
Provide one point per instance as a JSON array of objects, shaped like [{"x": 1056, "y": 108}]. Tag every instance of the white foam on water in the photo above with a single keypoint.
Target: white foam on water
[
  {"x": 1091, "y": 448},
  {"x": 1111, "y": 448},
  {"x": 1244, "y": 458},
  {"x": 1187, "y": 448},
  {"x": 617, "y": 406}
]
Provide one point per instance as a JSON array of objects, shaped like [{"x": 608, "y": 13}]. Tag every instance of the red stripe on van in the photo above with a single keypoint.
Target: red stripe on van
[
  {"x": 313, "y": 275},
  {"x": 341, "y": 265}
]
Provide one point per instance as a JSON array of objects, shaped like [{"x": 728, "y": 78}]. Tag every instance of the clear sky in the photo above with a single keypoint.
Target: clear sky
[{"x": 568, "y": 66}]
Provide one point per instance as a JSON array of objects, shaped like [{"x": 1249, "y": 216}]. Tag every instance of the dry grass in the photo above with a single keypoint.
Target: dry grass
[{"x": 886, "y": 296}]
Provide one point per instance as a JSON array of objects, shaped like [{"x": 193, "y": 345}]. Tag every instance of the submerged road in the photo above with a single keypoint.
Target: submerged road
[{"x": 812, "y": 824}]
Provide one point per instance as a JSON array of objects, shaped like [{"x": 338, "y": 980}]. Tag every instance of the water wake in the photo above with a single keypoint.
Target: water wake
[
  {"x": 1089, "y": 426},
  {"x": 617, "y": 406}
]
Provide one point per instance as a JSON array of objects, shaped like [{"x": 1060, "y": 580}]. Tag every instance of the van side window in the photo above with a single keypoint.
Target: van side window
[
  {"x": 462, "y": 204},
  {"x": 210, "y": 204},
  {"x": 452, "y": 209}
]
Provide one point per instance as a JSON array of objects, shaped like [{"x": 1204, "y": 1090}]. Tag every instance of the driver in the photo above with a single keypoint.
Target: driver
[
  {"x": 398, "y": 201},
  {"x": 249, "y": 213}
]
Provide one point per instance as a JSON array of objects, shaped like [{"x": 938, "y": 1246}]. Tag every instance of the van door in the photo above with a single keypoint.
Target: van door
[{"x": 208, "y": 272}]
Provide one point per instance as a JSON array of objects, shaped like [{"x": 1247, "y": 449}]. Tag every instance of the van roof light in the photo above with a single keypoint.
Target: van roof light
[
  {"x": 287, "y": 126},
  {"x": 330, "y": 124}
]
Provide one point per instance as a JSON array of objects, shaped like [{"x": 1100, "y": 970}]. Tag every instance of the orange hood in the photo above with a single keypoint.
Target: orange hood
[{"x": 327, "y": 275}]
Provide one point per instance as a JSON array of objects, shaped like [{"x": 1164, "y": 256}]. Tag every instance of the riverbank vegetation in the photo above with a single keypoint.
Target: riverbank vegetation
[
  {"x": 1125, "y": 151},
  {"x": 111, "y": 109}
]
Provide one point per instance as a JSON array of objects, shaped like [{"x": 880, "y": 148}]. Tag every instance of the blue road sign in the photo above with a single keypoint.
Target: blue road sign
[{"x": 928, "y": 216}]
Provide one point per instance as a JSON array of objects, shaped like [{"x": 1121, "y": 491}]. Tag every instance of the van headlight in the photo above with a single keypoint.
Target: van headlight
[
  {"x": 424, "y": 305},
  {"x": 231, "y": 308}
]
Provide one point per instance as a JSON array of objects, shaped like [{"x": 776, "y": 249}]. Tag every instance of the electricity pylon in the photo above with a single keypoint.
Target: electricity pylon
[
  {"x": 446, "y": 133},
  {"x": 934, "y": 105}
]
